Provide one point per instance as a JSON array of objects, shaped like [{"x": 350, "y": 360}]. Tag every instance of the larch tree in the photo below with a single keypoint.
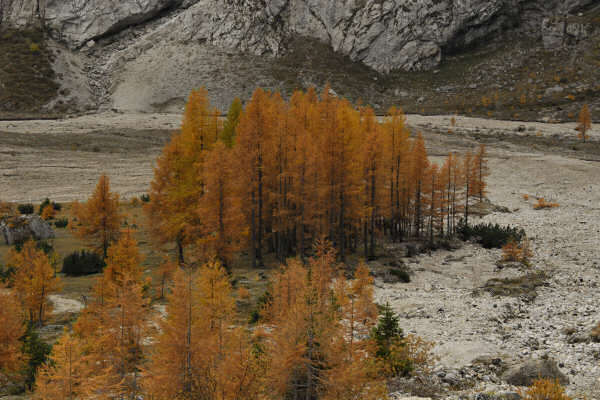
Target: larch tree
[
  {"x": 34, "y": 280},
  {"x": 219, "y": 208},
  {"x": 99, "y": 220},
  {"x": 233, "y": 119},
  {"x": 469, "y": 169},
  {"x": 481, "y": 171},
  {"x": 253, "y": 139},
  {"x": 12, "y": 328},
  {"x": 396, "y": 153},
  {"x": 115, "y": 323},
  {"x": 584, "y": 122},
  {"x": 420, "y": 167},
  {"x": 197, "y": 354},
  {"x": 67, "y": 375},
  {"x": 178, "y": 177}
]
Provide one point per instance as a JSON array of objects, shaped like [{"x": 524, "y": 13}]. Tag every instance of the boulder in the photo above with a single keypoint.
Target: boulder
[
  {"x": 23, "y": 227},
  {"x": 526, "y": 372}
]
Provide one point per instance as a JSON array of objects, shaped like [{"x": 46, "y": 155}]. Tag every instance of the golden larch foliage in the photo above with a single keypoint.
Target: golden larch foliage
[
  {"x": 12, "y": 328},
  {"x": 584, "y": 123},
  {"x": 99, "y": 220},
  {"x": 34, "y": 280}
]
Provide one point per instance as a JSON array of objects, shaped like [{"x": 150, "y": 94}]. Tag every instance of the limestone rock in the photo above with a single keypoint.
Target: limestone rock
[
  {"x": 77, "y": 22},
  {"x": 21, "y": 228},
  {"x": 386, "y": 35},
  {"x": 523, "y": 374}
]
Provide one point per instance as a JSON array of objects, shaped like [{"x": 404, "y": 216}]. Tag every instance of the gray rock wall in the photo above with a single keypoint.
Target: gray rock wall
[{"x": 386, "y": 35}]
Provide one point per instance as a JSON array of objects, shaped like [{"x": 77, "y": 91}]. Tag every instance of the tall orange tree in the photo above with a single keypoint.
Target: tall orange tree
[
  {"x": 99, "y": 220},
  {"x": 34, "y": 281},
  {"x": 481, "y": 172},
  {"x": 12, "y": 328},
  {"x": 196, "y": 354},
  {"x": 584, "y": 122},
  {"x": 219, "y": 208},
  {"x": 178, "y": 177},
  {"x": 114, "y": 324},
  {"x": 253, "y": 141}
]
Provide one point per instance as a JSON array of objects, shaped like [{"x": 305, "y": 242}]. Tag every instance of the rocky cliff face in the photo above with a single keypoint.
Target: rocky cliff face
[{"x": 385, "y": 35}]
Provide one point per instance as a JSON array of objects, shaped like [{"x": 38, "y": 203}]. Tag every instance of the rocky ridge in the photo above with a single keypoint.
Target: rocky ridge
[{"x": 384, "y": 35}]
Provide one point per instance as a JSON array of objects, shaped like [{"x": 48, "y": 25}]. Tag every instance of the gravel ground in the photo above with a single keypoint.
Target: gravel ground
[{"x": 440, "y": 303}]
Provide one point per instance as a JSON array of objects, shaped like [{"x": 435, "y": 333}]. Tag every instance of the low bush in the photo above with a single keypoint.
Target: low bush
[
  {"x": 542, "y": 204},
  {"x": 545, "y": 389},
  {"x": 47, "y": 202},
  {"x": 25, "y": 209},
  {"x": 61, "y": 223},
  {"x": 82, "y": 263},
  {"x": 517, "y": 252},
  {"x": 145, "y": 198},
  {"x": 490, "y": 235},
  {"x": 401, "y": 274}
]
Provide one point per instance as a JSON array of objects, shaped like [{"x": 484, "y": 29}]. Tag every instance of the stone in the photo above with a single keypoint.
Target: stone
[
  {"x": 524, "y": 373},
  {"x": 23, "y": 227},
  {"x": 384, "y": 35}
]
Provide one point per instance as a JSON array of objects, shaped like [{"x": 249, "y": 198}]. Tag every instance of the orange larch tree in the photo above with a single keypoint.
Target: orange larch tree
[
  {"x": 99, "y": 220},
  {"x": 178, "y": 177},
  {"x": 481, "y": 172},
  {"x": 12, "y": 328},
  {"x": 34, "y": 280},
  {"x": 419, "y": 179},
  {"x": 253, "y": 141},
  {"x": 584, "y": 122}
]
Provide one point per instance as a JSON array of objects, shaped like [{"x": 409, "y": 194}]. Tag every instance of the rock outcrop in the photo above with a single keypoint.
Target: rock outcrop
[
  {"x": 385, "y": 35},
  {"x": 526, "y": 373},
  {"x": 21, "y": 228},
  {"x": 76, "y": 22}
]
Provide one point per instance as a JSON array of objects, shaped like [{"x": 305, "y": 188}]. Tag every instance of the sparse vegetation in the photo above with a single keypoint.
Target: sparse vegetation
[
  {"x": 543, "y": 204},
  {"x": 545, "y": 389}
]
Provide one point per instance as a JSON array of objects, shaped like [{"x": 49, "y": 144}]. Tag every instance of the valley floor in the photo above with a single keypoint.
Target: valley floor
[{"x": 63, "y": 159}]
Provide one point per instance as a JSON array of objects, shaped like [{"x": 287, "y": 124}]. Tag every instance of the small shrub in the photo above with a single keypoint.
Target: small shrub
[
  {"x": 490, "y": 235},
  {"x": 34, "y": 48},
  {"x": 82, "y": 263},
  {"x": 48, "y": 213},
  {"x": 61, "y": 223},
  {"x": 544, "y": 389},
  {"x": 517, "y": 252},
  {"x": 47, "y": 202},
  {"x": 25, "y": 209},
  {"x": 542, "y": 204},
  {"x": 145, "y": 198},
  {"x": 134, "y": 202},
  {"x": 389, "y": 343},
  {"x": 401, "y": 274}
]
